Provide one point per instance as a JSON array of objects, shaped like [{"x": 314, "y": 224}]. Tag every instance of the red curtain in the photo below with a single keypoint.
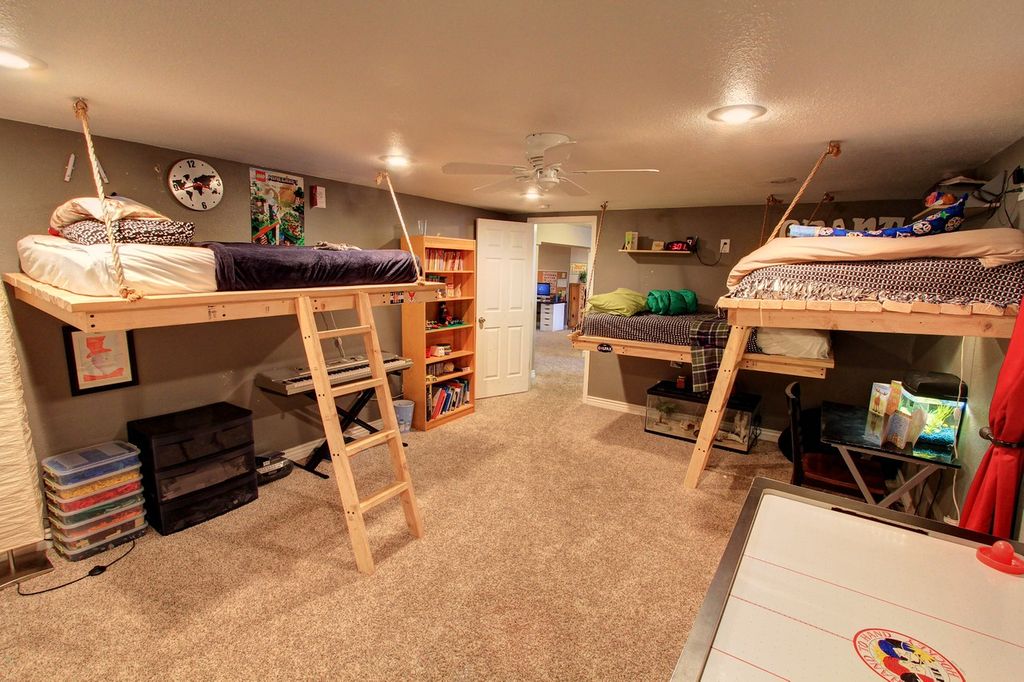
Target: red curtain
[{"x": 991, "y": 500}]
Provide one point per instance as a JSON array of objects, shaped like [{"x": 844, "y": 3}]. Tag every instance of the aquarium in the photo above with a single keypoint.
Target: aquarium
[
  {"x": 941, "y": 400},
  {"x": 678, "y": 414}
]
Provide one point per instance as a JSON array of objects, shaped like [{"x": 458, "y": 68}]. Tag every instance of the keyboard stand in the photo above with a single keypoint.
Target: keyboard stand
[{"x": 349, "y": 416}]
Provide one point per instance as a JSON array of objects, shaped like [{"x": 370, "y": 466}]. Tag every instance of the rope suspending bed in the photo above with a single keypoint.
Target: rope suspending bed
[{"x": 130, "y": 310}]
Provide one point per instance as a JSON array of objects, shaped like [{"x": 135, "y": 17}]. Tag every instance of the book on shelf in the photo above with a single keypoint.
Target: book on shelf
[
  {"x": 443, "y": 398},
  {"x": 445, "y": 259}
]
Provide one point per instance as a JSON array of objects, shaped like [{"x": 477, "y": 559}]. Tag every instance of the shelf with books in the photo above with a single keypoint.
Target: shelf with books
[{"x": 453, "y": 262}]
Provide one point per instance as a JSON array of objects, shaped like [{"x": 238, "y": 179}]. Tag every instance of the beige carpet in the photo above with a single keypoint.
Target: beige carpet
[{"x": 559, "y": 545}]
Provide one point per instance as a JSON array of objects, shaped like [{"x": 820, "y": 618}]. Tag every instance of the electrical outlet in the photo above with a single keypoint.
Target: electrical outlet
[{"x": 724, "y": 246}]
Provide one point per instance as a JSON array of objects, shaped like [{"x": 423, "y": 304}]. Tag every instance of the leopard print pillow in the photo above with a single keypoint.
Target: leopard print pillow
[{"x": 163, "y": 232}]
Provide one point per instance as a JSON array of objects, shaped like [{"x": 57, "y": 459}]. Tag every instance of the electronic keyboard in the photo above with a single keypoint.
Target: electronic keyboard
[{"x": 293, "y": 380}]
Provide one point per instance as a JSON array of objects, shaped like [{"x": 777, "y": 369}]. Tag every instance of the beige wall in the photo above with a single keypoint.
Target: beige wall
[
  {"x": 553, "y": 257},
  {"x": 180, "y": 367}
]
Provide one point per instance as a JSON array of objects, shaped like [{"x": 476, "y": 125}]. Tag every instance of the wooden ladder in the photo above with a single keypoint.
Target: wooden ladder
[{"x": 340, "y": 450}]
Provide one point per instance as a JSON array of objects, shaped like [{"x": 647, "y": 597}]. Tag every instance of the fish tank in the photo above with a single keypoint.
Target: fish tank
[{"x": 941, "y": 400}]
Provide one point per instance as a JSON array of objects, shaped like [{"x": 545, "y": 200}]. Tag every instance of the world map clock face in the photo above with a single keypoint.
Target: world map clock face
[{"x": 196, "y": 184}]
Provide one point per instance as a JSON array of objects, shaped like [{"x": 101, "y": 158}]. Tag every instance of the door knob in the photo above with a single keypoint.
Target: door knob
[{"x": 481, "y": 321}]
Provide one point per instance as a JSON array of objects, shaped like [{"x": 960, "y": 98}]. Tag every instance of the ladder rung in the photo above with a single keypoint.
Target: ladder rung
[
  {"x": 356, "y": 387},
  {"x": 343, "y": 331},
  {"x": 382, "y": 495},
  {"x": 367, "y": 442}
]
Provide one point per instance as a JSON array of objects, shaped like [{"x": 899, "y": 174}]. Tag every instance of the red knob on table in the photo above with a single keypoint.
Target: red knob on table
[{"x": 1001, "y": 557}]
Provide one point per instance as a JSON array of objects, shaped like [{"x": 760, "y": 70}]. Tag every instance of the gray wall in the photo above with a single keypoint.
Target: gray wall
[{"x": 181, "y": 367}]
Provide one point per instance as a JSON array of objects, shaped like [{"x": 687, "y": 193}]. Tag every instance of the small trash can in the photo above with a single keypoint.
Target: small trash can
[{"x": 403, "y": 411}]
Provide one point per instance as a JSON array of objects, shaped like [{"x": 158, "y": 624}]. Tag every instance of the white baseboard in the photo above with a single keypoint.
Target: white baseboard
[
  {"x": 769, "y": 435},
  {"x": 300, "y": 453}
]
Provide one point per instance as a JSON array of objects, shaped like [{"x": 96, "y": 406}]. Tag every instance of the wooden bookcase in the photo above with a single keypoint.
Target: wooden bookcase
[{"x": 457, "y": 266}]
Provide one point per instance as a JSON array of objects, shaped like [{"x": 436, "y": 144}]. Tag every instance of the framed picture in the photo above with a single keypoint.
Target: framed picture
[
  {"x": 657, "y": 246},
  {"x": 99, "y": 361}
]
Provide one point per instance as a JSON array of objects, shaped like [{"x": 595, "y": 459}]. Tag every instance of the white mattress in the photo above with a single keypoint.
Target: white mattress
[{"x": 88, "y": 270}]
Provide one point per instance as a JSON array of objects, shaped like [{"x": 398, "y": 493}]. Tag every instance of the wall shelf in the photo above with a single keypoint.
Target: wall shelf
[{"x": 660, "y": 253}]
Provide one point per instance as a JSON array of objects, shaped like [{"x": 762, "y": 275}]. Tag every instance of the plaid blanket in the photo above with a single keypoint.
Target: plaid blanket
[{"x": 707, "y": 347}]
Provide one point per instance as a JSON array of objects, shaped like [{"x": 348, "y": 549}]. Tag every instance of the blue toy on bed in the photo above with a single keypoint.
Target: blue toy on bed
[{"x": 947, "y": 219}]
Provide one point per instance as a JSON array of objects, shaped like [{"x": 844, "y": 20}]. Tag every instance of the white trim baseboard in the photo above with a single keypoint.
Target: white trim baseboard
[
  {"x": 300, "y": 453},
  {"x": 770, "y": 435}
]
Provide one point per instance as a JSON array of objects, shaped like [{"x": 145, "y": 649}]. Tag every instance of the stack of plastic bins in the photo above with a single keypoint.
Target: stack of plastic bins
[{"x": 94, "y": 497}]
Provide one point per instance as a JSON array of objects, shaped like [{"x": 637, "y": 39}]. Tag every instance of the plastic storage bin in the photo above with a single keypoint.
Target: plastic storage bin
[
  {"x": 86, "y": 464},
  {"x": 82, "y": 529},
  {"x": 102, "y": 546},
  {"x": 87, "y": 501},
  {"x": 100, "y": 509},
  {"x": 99, "y": 536},
  {"x": 72, "y": 492}
]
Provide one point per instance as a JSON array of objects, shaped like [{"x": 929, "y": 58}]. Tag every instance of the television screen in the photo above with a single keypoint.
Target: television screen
[{"x": 543, "y": 289}]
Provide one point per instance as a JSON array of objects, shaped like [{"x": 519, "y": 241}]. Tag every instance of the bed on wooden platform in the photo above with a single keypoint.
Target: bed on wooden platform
[
  {"x": 671, "y": 338},
  {"x": 956, "y": 284}
]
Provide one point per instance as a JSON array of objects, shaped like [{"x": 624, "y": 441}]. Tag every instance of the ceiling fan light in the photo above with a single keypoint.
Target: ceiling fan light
[
  {"x": 396, "y": 160},
  {"x": 9, "y": 59},
  {"x": 531, "y": 193},
  {"x": 735, "y": 114}
]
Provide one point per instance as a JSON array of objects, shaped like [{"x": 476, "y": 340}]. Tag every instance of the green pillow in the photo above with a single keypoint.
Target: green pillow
[{"x": 624, "y": 302}]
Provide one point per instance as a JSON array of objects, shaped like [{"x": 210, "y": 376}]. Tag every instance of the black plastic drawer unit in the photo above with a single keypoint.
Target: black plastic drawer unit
[{"x": 196, "y": 464}]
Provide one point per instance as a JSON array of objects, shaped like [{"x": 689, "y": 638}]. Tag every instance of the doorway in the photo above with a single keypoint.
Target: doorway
[{"x": 565, "y": 259}]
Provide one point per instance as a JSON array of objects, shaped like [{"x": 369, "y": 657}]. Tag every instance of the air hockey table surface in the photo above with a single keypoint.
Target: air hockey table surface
[{"x": 817, "y": 587}]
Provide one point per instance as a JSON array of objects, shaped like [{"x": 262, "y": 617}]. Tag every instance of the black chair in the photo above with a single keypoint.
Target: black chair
[{"x": 820, "y": 466}]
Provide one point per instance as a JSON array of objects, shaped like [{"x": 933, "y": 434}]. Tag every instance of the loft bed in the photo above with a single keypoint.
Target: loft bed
[
  {"x": 250, "y": 277},
  {"x": 637, "y": 340},
  {"x": 955, "y": 284}
]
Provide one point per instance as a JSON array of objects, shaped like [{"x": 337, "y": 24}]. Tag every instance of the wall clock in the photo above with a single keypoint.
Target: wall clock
[{"x": 196, "y": 184}]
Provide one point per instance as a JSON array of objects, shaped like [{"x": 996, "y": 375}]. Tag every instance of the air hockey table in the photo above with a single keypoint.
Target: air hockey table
[{"x": 818, "y": 587}]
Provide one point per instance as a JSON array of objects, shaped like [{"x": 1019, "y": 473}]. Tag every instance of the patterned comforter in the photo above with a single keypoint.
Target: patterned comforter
[{"x": 932, "y": 280}]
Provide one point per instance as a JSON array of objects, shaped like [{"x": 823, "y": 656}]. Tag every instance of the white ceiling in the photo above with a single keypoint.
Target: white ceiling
[{"x": 914, "y": 89}]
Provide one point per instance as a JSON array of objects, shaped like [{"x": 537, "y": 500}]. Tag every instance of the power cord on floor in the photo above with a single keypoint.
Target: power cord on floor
[{"x": 93, "y": 572}]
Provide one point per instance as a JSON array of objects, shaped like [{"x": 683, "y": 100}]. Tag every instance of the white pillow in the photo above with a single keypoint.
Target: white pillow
[
  {"x": 796, "y": 343},
  {"x": 88, "y": 208}
]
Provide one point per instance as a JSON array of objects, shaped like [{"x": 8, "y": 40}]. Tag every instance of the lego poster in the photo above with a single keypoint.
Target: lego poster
[{"x": 277, "y": 207}]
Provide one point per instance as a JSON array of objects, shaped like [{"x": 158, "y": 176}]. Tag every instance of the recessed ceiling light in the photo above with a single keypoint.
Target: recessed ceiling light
[
  {"x": 9, "y": 59},
  {"x": 737, "y": 113},
  {"x": 396, "y": 160},
  {"x": 782, "y": 181},
  {"x": 543, "y": 205}
]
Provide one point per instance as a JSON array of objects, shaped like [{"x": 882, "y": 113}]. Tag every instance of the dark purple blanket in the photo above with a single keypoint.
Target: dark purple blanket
[{"x": 245, "y": 267}]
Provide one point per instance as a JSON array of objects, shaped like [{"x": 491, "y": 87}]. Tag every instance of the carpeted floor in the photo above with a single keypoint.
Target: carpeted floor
[{"x": 559, "y": 544}]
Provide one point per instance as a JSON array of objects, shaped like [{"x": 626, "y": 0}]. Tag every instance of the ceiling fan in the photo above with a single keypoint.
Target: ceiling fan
[{"x": 545, "y": 154}]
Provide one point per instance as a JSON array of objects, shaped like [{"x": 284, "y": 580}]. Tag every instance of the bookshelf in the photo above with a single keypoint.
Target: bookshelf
[{"x": 428, "y": 383}]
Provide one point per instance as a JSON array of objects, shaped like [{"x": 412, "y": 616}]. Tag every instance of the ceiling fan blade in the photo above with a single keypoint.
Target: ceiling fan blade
[
  {"x": 571, "y": 188},
  {"x": 616, "y": 170},
  {"x": 459, "y": 168},
  {"x": 559, "y": 153},
  {"x": 506, "y": 183}
]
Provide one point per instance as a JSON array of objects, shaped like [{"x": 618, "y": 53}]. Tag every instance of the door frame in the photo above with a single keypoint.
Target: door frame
[{"x": 590, "y": 220}]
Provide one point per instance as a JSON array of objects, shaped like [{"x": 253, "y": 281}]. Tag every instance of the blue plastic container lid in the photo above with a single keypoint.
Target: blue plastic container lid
[{"x": 83, "y": 464}]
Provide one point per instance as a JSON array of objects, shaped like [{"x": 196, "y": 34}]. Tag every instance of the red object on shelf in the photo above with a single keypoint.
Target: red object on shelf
[{"x": 1001, "y": 557}]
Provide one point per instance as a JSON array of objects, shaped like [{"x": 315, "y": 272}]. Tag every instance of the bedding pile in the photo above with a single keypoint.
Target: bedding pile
[
  {"x": 81, "y": 221},
  {"x": 976, "y": 266}
]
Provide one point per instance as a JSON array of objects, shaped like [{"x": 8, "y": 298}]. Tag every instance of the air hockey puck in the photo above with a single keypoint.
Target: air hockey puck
[{"x": 1001, "y": 557}]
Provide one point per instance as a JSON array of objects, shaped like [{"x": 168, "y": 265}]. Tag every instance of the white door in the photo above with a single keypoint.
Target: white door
[{"x": 505, "y": 299}]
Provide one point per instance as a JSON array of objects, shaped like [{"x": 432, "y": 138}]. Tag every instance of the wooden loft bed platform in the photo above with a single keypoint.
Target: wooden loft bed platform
[
  {"x": 110, "y": 313},
  {"x": 943, "y": 319},
  {"x": 871, "y": 316},
  {"x": 757, "y": 362}
]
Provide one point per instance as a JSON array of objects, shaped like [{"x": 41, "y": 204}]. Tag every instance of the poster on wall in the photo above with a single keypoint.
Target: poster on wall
[
  {"x": 277, "y": 207},
  {"x": 98, "y": 361}
]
